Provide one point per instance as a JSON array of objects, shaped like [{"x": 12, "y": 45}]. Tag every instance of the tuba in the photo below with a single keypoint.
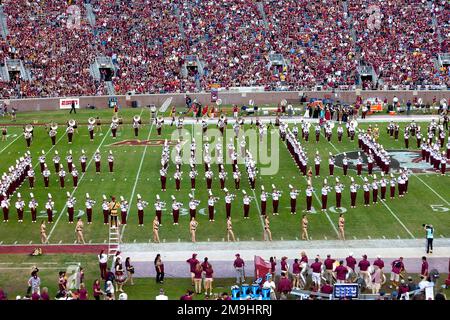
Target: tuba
[
  {"x": 219, "y": 102},
  {"x": 115, "y": 119},
  {"x": 137, "y": 118},
  {"x": 54, "y": 126},
  {"x": 91, "y": 120},
  {"x": 72, "y": 122},
  {"x": 332, "y": 125},
  {"x": 354, "y": 123},
  {"x": 28, "y": 128}
]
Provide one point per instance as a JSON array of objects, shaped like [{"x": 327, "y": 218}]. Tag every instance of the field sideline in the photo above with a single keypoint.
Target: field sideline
[{"x": 137, "y": 172}]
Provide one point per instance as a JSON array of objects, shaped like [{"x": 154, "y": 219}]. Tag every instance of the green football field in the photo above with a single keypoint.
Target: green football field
[{"x": 137, "y": 172}]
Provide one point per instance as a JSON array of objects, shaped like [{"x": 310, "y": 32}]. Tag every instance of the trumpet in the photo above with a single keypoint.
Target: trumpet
[
  {"x": 196, "y": 202},
  {"x": 161, "y": 203},
  {"x": 92, "y": 202},
  {"x": 144, "y": 203}
]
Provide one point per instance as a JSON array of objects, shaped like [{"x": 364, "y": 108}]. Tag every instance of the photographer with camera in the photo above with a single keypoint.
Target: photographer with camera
[{"x": 429, "y": 234}]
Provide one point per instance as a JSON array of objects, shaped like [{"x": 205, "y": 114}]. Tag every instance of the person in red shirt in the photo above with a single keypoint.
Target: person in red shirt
[
  {"x": 397, "y": 267},
  {"x": 238, "y": 265},
  {"x": 424, "y": 269},
  {"x": 296, "y": 269},
  {"x": 327, "y": 288},
  {"x": 363, "y": 266},
  {"x": 192, "y": 263},
  {"x": 329, "y": 267},
  {"x": 284, "y": 265},
  {"x": 379, "y": 262},
  {"x": 284, "y": 285},
  {"x": 351, "y": 261},
  {"x": 341, "y": 272},
  {"x": 273, "y": 263},
  {"x": 187, "y": 295},
  {"x": 198, "y": 271},
  {"x": 316, "y": 267}
]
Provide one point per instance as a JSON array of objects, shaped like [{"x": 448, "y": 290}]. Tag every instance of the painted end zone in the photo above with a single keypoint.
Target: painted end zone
[{"x": 46, "y": 249}]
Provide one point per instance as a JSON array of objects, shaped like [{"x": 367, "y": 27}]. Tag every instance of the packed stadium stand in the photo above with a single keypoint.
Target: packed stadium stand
[{"x": 188, "y": 45}]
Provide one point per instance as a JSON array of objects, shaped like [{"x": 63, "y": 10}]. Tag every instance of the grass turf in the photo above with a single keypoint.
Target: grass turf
[{"x": 137, "y": 172}]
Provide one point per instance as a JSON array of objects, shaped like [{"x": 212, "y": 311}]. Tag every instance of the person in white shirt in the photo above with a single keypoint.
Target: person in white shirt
[
  {"x": 269, "y": 283},
  {"x": 161, "y": 295}
]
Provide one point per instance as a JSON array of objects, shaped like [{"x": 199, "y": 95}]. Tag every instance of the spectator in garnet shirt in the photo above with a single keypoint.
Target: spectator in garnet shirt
[
  {"x": 296, "y": 269},
  {"x": 284, "y": 265},
  {"x": 341, "y": 272},
  {"x": 284, "y": 285},
  {"x": 329, "y": 267},
  {"x": 316, "y": 267},
  {"x": 187, "y": 295},
  {"x": 424, "y": 269},
  {"x": 303, "y": 257},
  {"x": 397, "y": 267},
  {"x": 192, "y": 263},
  {"x": 379, "y": 263},
  {"x": 82, "y": 292},
  {"x": 44, "y": 294},
  {"x": 35, "y": 295},
  {"x": 364, "y": 265},
  {"x": 351, "y": 262},
  {"x": 327, "y": 288},
  {"x": 198, "y": 271},
  {"x": 273, "y": 263}
]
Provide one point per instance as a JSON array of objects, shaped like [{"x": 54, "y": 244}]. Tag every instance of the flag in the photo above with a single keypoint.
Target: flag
[{"x": 262, "y": 267}]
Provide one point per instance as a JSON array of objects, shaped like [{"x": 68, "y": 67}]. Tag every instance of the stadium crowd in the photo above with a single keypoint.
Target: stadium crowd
[{"x": 321, "y": 42}]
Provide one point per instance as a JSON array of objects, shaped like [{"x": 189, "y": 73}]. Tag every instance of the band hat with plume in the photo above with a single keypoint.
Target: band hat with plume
[
  {"x": 139, "y": 196},
  {"x": 43, "y": 152},
  {"x": 337, "y": 179},
  {"x": 104, "y": 197},
  {"x": 82, "y": 151},
  {"x": 173, "y": 197},
  {"x": 365, "y": 179},
  {"x": 56, "y": 151},
  {"x": 191, "y": 196},
  {"x": 18, "y": 195},
  {"x": 210, "y": 193},
  {"x": 243, "y": 191},
  {"x": 351, "y": 179},
  {"x": 31, "y": 195},
  {"x": 157, "y": 197},
  {"x": 49, "y": 196},
  {"x": 87, "y": 195},
  {"x": 225, "y": 189},
  {"x": 262, "y": 188},
  {"x": 291, "y": 186},
  {"x": 70, "y": 151},
  {"x": 375, "y": 177},
  {"x": 122, "y": 198},
  {"x": 273, "y": 186},
  {"x": 68, "y": 194},
  {"x": 110, "y": 152}
]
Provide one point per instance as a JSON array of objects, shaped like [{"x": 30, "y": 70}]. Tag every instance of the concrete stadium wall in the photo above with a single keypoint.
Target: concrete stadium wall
[{"x": 239, "y": 98}]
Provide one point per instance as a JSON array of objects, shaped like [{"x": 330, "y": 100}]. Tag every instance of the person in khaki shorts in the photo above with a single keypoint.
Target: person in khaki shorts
[{"x": 377, "y": 279}]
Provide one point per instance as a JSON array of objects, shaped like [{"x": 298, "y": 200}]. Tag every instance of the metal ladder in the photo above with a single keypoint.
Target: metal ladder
[{"x": 114, "y": 241}]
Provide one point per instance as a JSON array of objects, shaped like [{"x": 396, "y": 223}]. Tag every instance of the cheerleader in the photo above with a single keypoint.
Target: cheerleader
[
  {"x": 156, "y": 225},
  {"x": 267, "y": 232},
  {"x": 230, "y": 232},
  {"x": 120, "y": 275}
]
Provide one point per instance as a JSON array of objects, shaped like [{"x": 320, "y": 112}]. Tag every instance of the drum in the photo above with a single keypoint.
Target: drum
[
  {"x": 265, "y": 292},
  {"x": 235, "y": 292},
  {"x": 256, "y": 292}
]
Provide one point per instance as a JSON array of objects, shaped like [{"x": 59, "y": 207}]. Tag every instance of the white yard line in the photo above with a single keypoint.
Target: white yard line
[
  {"x": 18, "y": 136},
  {"x": 137, "y": 178},
  {"x": 448, "y": 203},
  {"x": 76, "y": 188}
]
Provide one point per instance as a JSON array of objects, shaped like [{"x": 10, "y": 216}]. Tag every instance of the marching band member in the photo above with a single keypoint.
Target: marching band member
[
  {"x": 353, "y": 191},
  {"x": 383, "y": 186},
  {"x": 267, "y": 232},
  {"x": 75, "y": 176},
  {"x": 370, "y": 161},
  {"x": 28, "y": 136},
  {"x": 31, "y": 175},
  {"x": 317, "y": 129},
  {"x": 404, "y": 175},
  {"x": 193, "y": 204},
  {"x": 275, "y": 200},
  {"x": 204, "y": 125},
  {"x": 325, "y": 189},
  {"x": 341, "y": 226},
  {"x": 331, "y": 162},
  {"x": 338, "y": 189},
  {"x": 375, "y": 184},
  {"x": 42, "y": 161},
  {"x": 246, "y": 200},
  {"x": 317, "y": 161},
  {"x": 345, "y": 164},
  {"x": 392, "y": 184},
  {"x": 237, "y": 178},
  {"x": 56, "y": 160},
  {"x": 340, "y": 133},
  {"x": 114, "y": 125},
  {"x": 158, "y": 208},
  {"x": 293, "y": 194},
  {"x": 396, "y": 131},
  {"x": 401, "y": 185},
  {"x": 5, "y": 203},
  {"x": 193, "y": 224},
  {"x": 418, "y": 139},
  {"x": 105, "y": 209},
  {"x": 230, "y": 230},
  {"x": 89, "y": 204},
  {"x": 309, "y": 191},
  {"x": 406, "y": 138},
  {"x": 228, "y": 198},
  {"x": 113, "y": 207},
  {"x": 91, "y": 123},
  {"x": 443, "y": 163},
  {"x": 243, "y": 146},
  {"x": 208, "y": 176},
  {"x": 141, "y": 204},
  {"x": 159, "y": 123},
  {"x": 305, "y": 227},
  {"x": 20, "y": 205},
  {"x": 366, "y": 189},
  {"x": 99, "y": 124},
  {"x": 177, "y": 177},
  {"x": 62, "y": 175},
  {"x": 46, "y": 174},
  {"x": 97, "y": 159},
  {"x": 71, "y": 201},
  {"x": 156, "y": 226},
  {"x": 136, "y": 125},
  {"x": 163, "y": 178},
  {"x": 263, "y": 201},
  {"x": 359, "y": 164},
  {"x": 33, "y": 205},
  {"x": 52, "y": 133},
  {"x": 70, "y": 130},
  {"x": 111, "y": 161},
  {"x": 222, "y": 177},
  {"x": 176, "y": 210},
  {"x": 83, "y": 160},
  {"x": 43, "y": 231},
  {"x": 123, "y": 211},
  {"x": 69, "y": 161}
]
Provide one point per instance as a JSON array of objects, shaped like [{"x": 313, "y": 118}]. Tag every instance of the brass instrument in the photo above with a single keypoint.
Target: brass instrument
[
  {"x": 28, "y": 128},
  {"x": 354, "y": 123},
  {"x": 54, "y": 126},
  {"x": 72, "y": 123},
  {"x": 137, "y": 118},
  {"x": 219, "y": 102},
  {"x": 91, "y": 120}
]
